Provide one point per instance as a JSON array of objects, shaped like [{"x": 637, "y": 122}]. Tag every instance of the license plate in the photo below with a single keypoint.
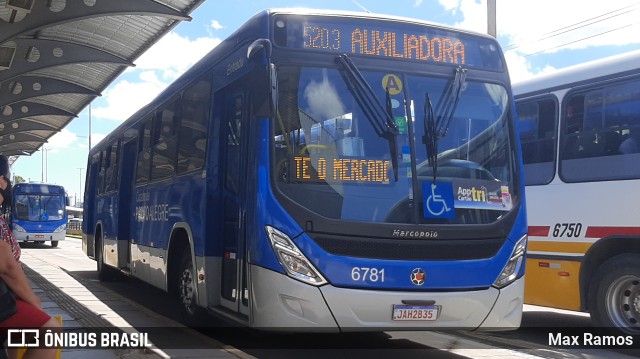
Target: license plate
[
  {"x": 414, "y": 312},
  {"x": 39, "y": 236}
]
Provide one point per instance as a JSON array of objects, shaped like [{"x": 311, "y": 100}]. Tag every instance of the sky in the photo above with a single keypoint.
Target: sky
[{"x": 537, "y": 36}]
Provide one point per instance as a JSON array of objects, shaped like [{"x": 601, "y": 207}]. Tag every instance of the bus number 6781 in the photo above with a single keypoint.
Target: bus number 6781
[{"x": 366, "y": 274}]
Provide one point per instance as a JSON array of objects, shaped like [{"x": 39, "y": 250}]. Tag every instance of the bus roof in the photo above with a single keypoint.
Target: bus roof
[
  {"x": 578, "y": 75},
  {"x": 37, "y": 187},
  {"x": 371, "y": 16}
]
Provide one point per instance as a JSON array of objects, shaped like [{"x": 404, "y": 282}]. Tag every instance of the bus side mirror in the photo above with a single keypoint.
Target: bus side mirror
[
  {"x": 66, "y": 201},
  {"x": 265, "y": 102}
]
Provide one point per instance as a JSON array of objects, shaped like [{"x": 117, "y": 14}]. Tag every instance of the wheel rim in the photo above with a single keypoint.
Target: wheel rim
[
  {"x": 186, "y": 290},
  {"x": 623, "y": 303}
]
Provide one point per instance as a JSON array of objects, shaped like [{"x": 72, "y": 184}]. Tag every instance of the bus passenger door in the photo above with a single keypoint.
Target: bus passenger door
[
  {"x": 125, "y": 198},
  {"x": 233, "y": 293}
]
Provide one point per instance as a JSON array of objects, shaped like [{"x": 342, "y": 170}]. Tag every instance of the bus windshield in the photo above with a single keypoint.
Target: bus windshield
[
  {"x": 37, "y": 207},
  {"x": 330, "y": 158}
]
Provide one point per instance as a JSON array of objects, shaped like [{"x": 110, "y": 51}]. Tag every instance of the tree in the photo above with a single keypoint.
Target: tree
[{"x": 18, "y": 179}]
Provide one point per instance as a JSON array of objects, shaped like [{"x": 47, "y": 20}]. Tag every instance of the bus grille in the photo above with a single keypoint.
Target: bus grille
[{"x": 409, "y": 249}]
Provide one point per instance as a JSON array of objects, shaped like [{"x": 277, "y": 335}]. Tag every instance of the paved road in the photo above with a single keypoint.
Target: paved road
[{"x": 530, "y": 341}]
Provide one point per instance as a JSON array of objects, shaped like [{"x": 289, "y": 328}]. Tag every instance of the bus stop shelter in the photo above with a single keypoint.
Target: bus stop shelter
[{"x": 56, "y": 56}]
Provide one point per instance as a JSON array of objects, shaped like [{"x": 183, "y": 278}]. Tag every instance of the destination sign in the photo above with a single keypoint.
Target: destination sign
[
  {"x": 387, "y": 43},
  {"x": 355, "y": 170},
  {"x": 388, "y": 39}
]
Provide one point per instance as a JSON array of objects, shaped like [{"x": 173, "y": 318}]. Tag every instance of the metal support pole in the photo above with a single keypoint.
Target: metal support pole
[
  {"x": 80, "y": 190},
  {"x": 491, "y": 18},
  {"x": 89, "y": 127}
]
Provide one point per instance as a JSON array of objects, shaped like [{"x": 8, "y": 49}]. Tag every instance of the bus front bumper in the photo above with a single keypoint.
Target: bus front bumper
[
  {"x": 39, "y": 237},
  {"x": 285, "y": 304}
]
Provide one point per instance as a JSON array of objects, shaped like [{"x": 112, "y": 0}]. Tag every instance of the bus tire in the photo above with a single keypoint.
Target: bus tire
[
  {"x": 105, "y": 273},
  {"x": 186, "y": 292},
  {"x": 614, "y": 295},
  {"x": 54, "y": 244}
]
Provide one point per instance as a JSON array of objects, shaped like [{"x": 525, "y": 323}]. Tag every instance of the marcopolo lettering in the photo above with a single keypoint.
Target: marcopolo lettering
[{"x": 414, "y": 234}]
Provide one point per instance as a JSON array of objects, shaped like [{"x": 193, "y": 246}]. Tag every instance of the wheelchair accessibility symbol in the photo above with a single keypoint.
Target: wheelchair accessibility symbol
[{"x": 438, "y": 200}]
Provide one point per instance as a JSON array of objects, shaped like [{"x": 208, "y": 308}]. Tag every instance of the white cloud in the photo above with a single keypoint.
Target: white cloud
[
  {"x": 215, "y": 24},
  {"x": 175, "y": 53},
  {"x": 61, "y": 140},
  {"x": 546, "y": 26},
  {"x": 520, "y": 69},
  {"x": 164, "y": 62},
  {"x": 572, "y": 24},
  {"x": 125, "y": 97},
  {"x": 450, "y": 5},
  {"x": 96, "y": 138}
]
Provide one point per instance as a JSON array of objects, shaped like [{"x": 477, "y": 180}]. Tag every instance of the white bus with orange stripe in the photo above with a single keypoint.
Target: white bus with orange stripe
[{"x": 580, "y": 134}]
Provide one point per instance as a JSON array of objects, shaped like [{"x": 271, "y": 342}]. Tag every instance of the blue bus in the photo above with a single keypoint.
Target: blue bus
[
  {"x": 322, "y": 171},
  {"x": 38, "y": 212}
]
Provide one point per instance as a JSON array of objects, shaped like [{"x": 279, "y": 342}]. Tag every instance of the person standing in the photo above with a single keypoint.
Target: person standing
[{"x": 29, "y": 313}]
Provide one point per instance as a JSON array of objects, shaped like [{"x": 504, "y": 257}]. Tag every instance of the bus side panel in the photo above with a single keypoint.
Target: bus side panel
[
  {"x": 153, "y": 228},
  {"x": 559, "y": 239},
  {"x": 158, "y": 207},
  {"x": 561, "y": 278},
  {"x": 108, "y": 216}
]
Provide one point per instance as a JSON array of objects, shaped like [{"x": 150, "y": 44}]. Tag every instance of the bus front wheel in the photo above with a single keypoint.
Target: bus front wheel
[
  {"x": 186, "y": 289},
  {"x": 614, "y": 295},
  {"x": 54, "y": 244}
]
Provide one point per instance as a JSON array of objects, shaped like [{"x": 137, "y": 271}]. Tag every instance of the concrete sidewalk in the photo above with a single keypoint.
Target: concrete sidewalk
[{"x": 84, "y": 305}]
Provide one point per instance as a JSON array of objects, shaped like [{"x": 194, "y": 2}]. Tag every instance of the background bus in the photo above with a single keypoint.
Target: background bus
[
  {"x": 38, "y": 212},
  {"x": 579, "y": 128},
  {"x": 74, "y": 225},
  {"x": 283, "y": 181}
]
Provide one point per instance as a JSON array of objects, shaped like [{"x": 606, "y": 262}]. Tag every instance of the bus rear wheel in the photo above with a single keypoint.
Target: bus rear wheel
[
  {"x": 54, "y": 244},
  {"x": 186, "y": 291},
  {"x": 614, "y": 295},
  {"x": 105, "y": 273}
]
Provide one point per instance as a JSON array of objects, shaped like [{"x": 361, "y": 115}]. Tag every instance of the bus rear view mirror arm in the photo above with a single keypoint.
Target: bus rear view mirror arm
[{"x": 266, "y": 106}]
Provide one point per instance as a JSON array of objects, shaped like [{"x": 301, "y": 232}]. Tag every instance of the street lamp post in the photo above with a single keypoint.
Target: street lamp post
[
  {"x": 80, "y": 191},
  {"x": 45, "y": 164}
]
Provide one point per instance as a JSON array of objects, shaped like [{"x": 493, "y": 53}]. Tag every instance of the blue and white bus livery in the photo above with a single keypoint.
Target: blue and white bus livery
[
  {"x": 323, "y": 171},
  {"x": 39, "y": 212}
]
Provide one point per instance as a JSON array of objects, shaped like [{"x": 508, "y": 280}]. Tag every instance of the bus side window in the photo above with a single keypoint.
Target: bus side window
[
  {"x": 234, "y": 135},
  {"x": 192, "y": 136},
  {"x": 102, "y": 171},
  {"x": 598, "y": 121},
  {"x": 538, "y": 128},
  {"x": 164, "y": 140},
  {"x": 143, "y": 167},
  {"x": 111, "y": 174}
]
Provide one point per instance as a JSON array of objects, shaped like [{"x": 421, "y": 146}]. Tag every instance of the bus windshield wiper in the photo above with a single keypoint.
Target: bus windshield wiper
[
  {"x": 381, "y": 119},
  {"x": 449, "y": 102},
  {"x": 437, "y": 129},
  {"x": 430, "y": 138}
]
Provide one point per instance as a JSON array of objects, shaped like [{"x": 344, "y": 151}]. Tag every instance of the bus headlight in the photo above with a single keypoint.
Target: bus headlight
[
  {"x": 17, "y": 228},
  {"x": 61, "y": 228},
  {"x": 511, "y": 269},
  {"x": 292, "y": 260}
]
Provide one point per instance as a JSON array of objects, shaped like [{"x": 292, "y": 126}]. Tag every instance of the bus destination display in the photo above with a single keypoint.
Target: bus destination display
[
  {"x": 365, "y": 41},
  {"x": 388, "y": 40}
]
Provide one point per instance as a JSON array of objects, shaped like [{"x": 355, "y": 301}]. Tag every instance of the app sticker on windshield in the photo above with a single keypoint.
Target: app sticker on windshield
[
  {"x": 392, "y": 83},
  {"x": 438, "y": 200}
]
